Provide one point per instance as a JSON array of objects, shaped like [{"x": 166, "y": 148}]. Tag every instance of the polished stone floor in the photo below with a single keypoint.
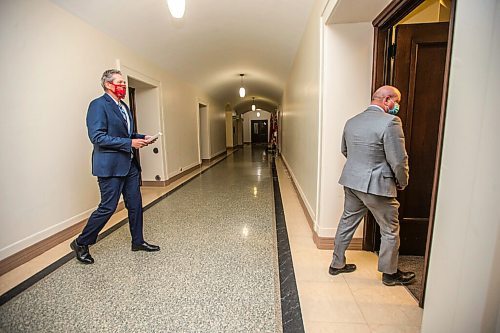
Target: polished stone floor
[
  {"x": 357, "y": 302},
  {"x": 177, "y": 282},
  {"x": 216, "y": 271}
]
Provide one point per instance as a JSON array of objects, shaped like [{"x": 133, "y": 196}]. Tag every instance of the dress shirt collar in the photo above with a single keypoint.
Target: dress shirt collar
[{"x": 376, "y": 106}]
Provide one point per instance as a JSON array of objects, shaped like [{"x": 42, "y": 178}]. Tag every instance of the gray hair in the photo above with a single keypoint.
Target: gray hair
[{"x": 107, "y": 76}]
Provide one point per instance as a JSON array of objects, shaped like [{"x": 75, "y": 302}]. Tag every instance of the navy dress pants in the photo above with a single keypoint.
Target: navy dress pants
[{"x": 111, "y": 188}]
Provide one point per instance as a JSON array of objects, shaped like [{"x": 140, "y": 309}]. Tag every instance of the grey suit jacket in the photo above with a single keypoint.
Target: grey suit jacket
[{"x": 374, "y": 144}]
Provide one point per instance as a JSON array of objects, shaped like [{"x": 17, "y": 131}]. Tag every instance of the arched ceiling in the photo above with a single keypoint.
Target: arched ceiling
[
  {"x": 260, "y": 103},
  {"x": 214, "y": 42}
]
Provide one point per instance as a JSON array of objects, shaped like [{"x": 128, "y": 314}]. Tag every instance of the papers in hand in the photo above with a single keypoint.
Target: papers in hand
[{"x": 154, "y": 137}]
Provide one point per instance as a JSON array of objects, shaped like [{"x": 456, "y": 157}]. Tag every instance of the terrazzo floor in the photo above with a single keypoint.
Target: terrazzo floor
[
  {"x": 356, "y": 302},
  {"x": 216, "y": 271}
]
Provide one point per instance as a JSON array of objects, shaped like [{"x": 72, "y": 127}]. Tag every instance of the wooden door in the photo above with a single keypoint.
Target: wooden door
[
  {"x": 259, "y": 130},
  {"x": 384, "y": 73},
  {"x": 419, "y": 71}
]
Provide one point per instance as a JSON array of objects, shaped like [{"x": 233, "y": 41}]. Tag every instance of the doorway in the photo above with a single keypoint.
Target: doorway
[
  {"x": 144, "y": 102},
  {"x": 203, "y": 134},
  {"x": 412, "y": 49},
  {"x": 235, "y": 130},
  {"x": 419, "y": 67},
  {"x": 260, "y": 131}
]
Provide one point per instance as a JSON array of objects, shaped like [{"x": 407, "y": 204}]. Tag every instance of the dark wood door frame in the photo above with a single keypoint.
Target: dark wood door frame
[{"x": 383, "y": 24}]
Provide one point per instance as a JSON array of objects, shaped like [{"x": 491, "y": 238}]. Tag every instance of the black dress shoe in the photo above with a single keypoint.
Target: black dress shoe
[
  {"x": 348, "y": 268},
  {"x": 145, "y": 247},
  {"x": 82, "y": 253},
  {"x": 398, "y": 278}
]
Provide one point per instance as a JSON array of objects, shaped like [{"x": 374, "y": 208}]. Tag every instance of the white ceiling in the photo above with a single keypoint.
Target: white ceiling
[
  {"x": 214, "y": 42},
  {"x": 354, "y": 11}
]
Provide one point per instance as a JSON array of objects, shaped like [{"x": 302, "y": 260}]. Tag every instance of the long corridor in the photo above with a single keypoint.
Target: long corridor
[
  {"x": 216, "y": 271},
  {"x": 222, "y": 235},
  {"x": 246, "y": 241}
]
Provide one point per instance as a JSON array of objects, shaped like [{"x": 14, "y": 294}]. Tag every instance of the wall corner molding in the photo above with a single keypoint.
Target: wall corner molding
[{"x": 322, "y": 243}]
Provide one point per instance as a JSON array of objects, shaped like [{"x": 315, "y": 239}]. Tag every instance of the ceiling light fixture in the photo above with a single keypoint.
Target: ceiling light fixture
[
  {"x": 177, "y": 8},
  {"x": 253, "y": 103},
  {"x": 242, "y": 89}
]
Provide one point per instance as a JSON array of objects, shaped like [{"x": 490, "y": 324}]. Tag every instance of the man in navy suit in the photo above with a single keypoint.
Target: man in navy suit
[{"x": 114, "y": 163}]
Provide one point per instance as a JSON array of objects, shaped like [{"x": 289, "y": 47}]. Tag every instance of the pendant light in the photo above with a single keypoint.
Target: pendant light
[
  {"x": 253, "y": 103},
  {"x": 242, "y": 89},
  {"x": 177, "y": 7}
]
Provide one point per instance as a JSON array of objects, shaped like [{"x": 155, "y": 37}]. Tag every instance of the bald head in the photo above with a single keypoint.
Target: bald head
[
  {"x": 386, "y": 91},
  {"x": 386, "y": 96}
]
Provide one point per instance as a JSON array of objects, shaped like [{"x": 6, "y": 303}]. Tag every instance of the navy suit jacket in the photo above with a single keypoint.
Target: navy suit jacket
[{"x": 108, "y": 132}]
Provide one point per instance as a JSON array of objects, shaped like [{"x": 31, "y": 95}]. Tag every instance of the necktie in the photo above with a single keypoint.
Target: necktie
[{"x": 125, "y": 116}]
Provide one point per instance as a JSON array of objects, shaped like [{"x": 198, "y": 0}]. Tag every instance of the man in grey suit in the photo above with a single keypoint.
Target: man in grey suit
[{"x": 376, "y": 167}]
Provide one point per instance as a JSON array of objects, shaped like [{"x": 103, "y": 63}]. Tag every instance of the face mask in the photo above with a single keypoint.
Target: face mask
[
  {"x": 120, "y": 90},
  {"x": 395, "y": 109}
]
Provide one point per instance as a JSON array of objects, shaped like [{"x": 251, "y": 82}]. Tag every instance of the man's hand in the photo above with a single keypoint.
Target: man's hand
[
  {"x": 139, "y": 143},
  {"x": 148, "y": 137}
]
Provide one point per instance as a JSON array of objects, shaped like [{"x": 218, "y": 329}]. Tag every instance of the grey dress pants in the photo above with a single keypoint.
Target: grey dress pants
[{"x": 385, "y": 211}]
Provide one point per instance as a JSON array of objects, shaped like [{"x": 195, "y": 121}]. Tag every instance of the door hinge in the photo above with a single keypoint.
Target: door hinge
[{"x": 392, "y": 51}]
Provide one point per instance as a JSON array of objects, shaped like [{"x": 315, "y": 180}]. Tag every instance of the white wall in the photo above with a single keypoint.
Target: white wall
[
  {"x": 463, "y": 286},
  {"x": 247, "y": 123},
  {"x": 300, "y": 106},
  {"x": 238, "y": 131},
  {"x": 52, "y": 62},
  {"x": 217, "y": 119},
  {"x": 346, "y": 86}
]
